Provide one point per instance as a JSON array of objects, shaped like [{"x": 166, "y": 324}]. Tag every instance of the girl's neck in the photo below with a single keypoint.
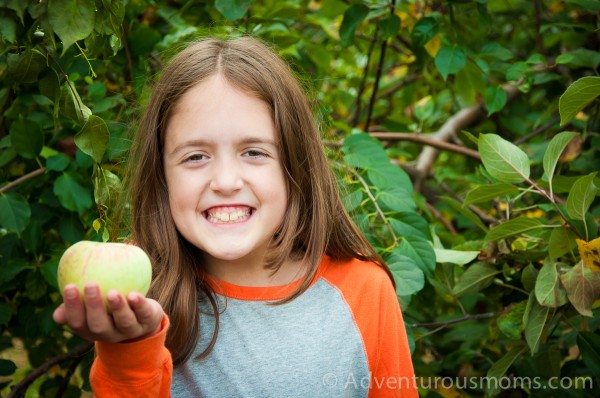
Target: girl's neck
[{"x": 245, "y": 272}]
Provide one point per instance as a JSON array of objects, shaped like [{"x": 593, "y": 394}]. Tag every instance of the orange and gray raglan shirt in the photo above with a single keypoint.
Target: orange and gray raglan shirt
[{"x": 343, "y": 337}]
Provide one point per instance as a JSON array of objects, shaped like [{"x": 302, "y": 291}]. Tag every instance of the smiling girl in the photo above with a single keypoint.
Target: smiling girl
[{"x": 262, "y": 285}]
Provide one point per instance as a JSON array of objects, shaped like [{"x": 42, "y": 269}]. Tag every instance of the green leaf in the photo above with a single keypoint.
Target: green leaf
[
  {"x": 476, "y": 278},
  {"x": 577, "y": 96},
  {"x": 516, "y": 226},
  {"x": 8, "y": 29},
  {"x": 26, "y": 67},
  {"x": 582, "y": 286},
  {"x": 353, "y": 17},
  {"x": 409, "y": 224},
  {"x": 454, "y": 256},
  {"x": 26, "y": 138},
  {"x": 72, "y": 194},
  {"x": 14, "y": 212},
  {"x": 486, "y": 193},
  {"x": 353, "y": 200},
  {"x": 107, "y": 187},
  {"x": 49, "y": 271},
  {"x": 581, "y": 196},
  {"x": 499, "y": 369},
  {"x": 232, "y": 9},
  {"x": 589, "y": 346},
  {"x": 58, "y": 163},
  {"x": 470, "y": 82},
  {"x": 589, "y": 5},
  {"x": 365, "y": 150},
  {"x": 528, "y": 277},
  {"x": 93, "y": 138},
  {"x": 510, "y": 322},
  {"x": 556, "y": 147},
  {"x": 562, "y": 241},
  {"x": 389, "y": 26},
  {"x": 424, "y": 30},
  {"x": 534, "y": 319},
  {"x": 397, "y": 199},
  {"x": 9, "y": 271},
  {"x": 387, "y": 175},
  {"x": 407, "y": 275},
  {"x": 420, "y": 251},
  {"x": 502, "y": 159},
  {"x": 71, "y": 20},
  {"x": 495, "y": 99},
  {"x": 71, "y": 104},
  {"x": 548, "y": 290},
  {"x": 450, "y": 60}
]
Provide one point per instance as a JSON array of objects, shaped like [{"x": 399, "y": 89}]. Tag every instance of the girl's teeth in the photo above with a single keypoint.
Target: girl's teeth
[{"x": 225, "y": 217}]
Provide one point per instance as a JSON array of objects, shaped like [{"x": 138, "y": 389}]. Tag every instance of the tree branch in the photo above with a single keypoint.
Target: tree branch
[
  {"x": 22, "y": 179},
  {"x": 443, "y": 324},
  {"x": 427, "y": 140},
  {"x": 363, "y": 82},
  {"x": 19, "y": 389}
]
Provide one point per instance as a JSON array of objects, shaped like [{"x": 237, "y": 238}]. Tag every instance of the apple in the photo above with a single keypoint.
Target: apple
[{"x": 118, "y": 266}]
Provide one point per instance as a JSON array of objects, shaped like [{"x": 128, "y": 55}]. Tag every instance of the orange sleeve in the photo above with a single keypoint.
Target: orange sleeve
[
  {"x": 140, "y": 369},
  {"x": 369, "y": 293}
]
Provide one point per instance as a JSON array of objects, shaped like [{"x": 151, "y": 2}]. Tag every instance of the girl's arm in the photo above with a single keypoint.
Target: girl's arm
[{"x": 132, "y": 360}]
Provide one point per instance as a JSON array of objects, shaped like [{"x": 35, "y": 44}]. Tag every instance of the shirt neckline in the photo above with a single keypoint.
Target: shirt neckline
[{"x": 259, "y": 293}]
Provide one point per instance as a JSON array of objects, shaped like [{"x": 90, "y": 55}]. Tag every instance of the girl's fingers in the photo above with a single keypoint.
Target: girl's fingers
[
  {"x": 124, "y": 318},
  {"x": 73, "y": 311},
  {"x": 99, "y": 322}
]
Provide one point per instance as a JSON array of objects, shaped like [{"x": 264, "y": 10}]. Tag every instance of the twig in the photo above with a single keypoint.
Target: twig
[
  {"x": 378, "y": 75},
  {"x": 427, "y": 140},
  {"x": 443, "y": 324},
  {"x": 377, "y": 208},
  {"x": 65, "y": 381},
  {"x": 22, "y": 179},
  {"x": 363, "y": 82},
  {"x": 129, "y": 65},
  {"x": 19, "y": 389},
  {"x": 448, "y": 225},
  {"x": 539, "y": 130}
]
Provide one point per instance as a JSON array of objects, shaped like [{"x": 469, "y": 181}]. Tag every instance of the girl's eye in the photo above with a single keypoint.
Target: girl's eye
[
  {"x": 253, "y": 153},
  {"x": 197, "y": 157}
]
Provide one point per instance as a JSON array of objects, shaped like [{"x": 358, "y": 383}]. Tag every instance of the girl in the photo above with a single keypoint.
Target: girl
[{"x": 269, "y": 288}]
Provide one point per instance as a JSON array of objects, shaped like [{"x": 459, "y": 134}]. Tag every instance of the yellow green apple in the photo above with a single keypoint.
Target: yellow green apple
[{"x": 118, "y": 266}]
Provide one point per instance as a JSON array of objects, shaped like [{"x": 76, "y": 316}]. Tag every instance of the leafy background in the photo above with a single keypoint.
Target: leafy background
[{"x": 464, "y": 134}]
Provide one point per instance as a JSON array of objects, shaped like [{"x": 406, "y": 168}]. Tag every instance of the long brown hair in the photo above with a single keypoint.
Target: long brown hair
[{"x": 316, "y": 222}]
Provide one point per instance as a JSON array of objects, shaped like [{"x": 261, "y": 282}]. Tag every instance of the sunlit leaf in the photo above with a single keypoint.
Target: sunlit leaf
[
  {"x": 577, "y": 96},
  {"x": 556, "y": 147},
  {"x": 516, "y": 226},
  {"x": 581, "y": 196},
  {"x": 420, "y": 250},
  {"x": 455, "y": 256},
  {"x": 503, "y": 160},
  {"x": 548, "y": 290}
]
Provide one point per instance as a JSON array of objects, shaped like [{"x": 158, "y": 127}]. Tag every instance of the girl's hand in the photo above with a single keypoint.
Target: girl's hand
[{"x": 133, "y": 318}]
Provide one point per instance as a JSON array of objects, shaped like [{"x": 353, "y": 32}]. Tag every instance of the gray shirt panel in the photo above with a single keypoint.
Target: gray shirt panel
[{"x": 309, "y": 347}]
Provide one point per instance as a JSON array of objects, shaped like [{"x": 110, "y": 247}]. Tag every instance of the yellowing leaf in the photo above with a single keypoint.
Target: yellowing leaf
[
  {"x": 590, "y": 253},
  {"x": 433, "y": 46}
]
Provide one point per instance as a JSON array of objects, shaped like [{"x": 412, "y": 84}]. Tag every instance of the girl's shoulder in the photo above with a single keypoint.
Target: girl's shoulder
[{"x": 355, "y": 274}]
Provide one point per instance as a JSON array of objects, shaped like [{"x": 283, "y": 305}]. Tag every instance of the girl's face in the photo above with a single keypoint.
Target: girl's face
[{"x": 227, "y": 190}]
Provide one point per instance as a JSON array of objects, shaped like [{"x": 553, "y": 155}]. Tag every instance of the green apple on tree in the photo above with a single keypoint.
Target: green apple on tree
[{"x": 119, "y": 266}]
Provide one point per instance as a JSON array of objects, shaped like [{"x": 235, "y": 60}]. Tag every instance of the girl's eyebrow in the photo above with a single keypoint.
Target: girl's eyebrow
[{"x": 203, "y": 143}]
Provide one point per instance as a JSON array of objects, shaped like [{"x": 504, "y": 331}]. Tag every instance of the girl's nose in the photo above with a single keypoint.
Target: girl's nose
[{"x": 227, "y": 178}]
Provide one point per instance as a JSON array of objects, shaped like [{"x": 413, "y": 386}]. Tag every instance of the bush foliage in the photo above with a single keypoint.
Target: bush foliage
[{"x": 464, "y": 134}]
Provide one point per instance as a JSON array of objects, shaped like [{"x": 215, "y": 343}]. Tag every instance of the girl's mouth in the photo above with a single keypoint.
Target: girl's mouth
[{"x": 228, "y": 214}]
